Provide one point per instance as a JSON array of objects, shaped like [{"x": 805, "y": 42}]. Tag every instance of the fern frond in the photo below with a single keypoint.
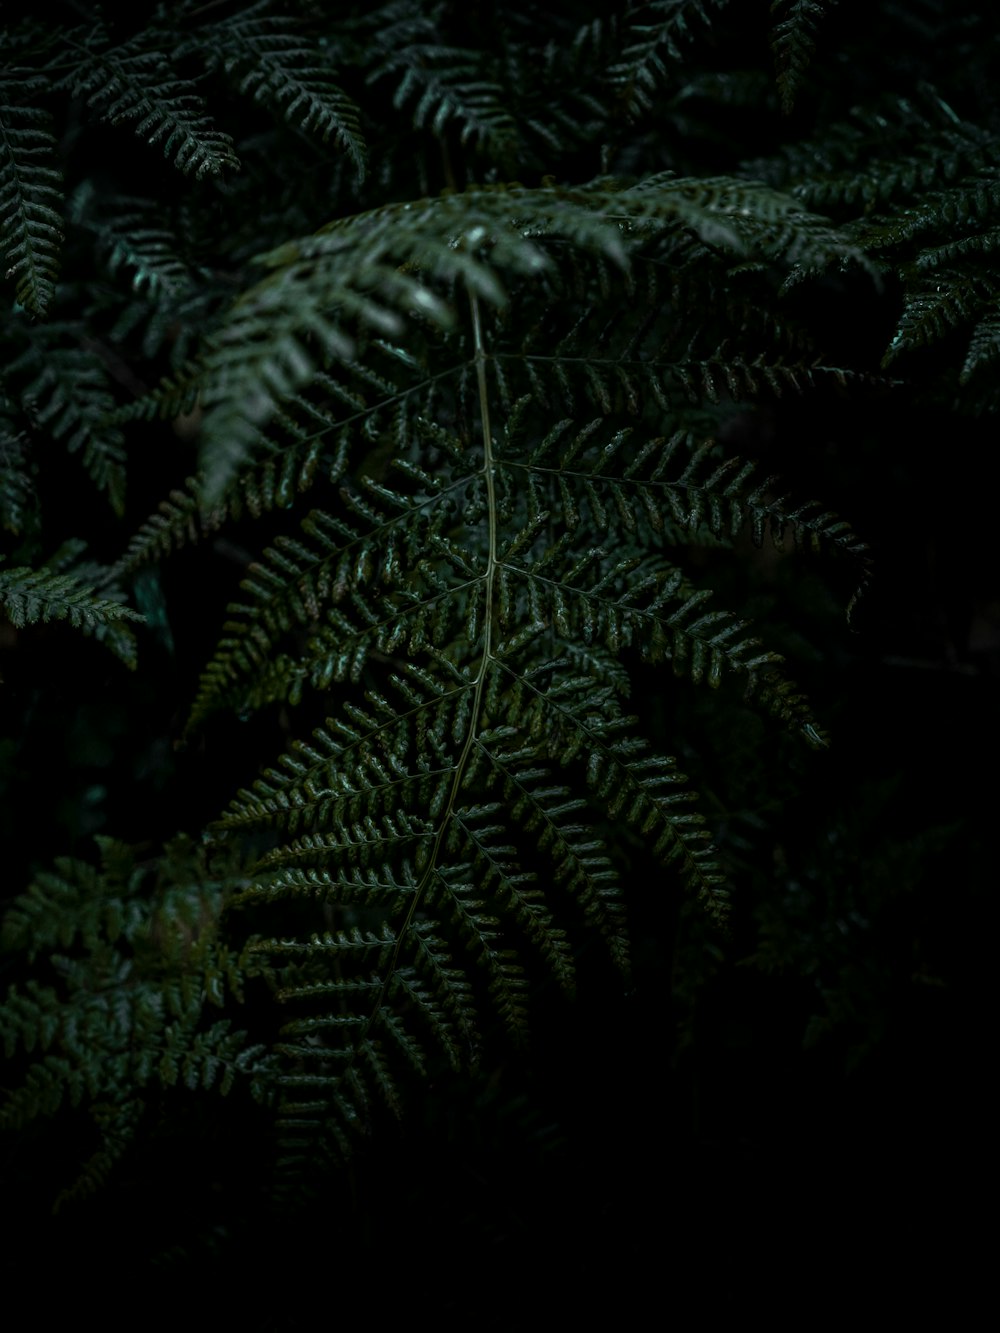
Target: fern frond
[
  {"x": 921, "y": 182},
  {"x": 118, "y": 1125},
  {"x": 136, "y": 959},
  {"x": 263, "y": 54},
  {"x": 30, "y": 192},
  {"x": 305, "y": 443},
  {"x": 50, "y": 1082},
  {"x": 29, "y": 595},
  {"x": 323, "y": 294},
  {"x": 680, "y": 487},
  {"x": 793, "y": 42},
  {"x": 361, "y": 786},
  {"x": 652, "y": 352},
  {"x": 66, "y": 393},
  {"x": 932, "y": 148},
  {"x": 642, "y": 789},
  {"x": 134, "y": 83},
  {"x": 76, "y": 901},
  {"x": 974, "y": 201},
  {"x": 653, "y": 35},
  {"x": 937, "y": 305},
  {"x": 134, "y": 243},
  {"x": 17, "y": 481},
  {"x": 499, "y": 442},
  {"x": 445, "y": 84},
  {"x": 455, "y": 583},
  {"x": 746, "y": 216},
  {"x": 984, "y": 346},
  {"x": 978, "y": 244},
  {"x": 180, "y": 519},
  {"x": 296, "y": 580},
  {"x": 887, "y": 151},
  {"x": 517, "y": 889},
  {"x": 354, "y": 782},
  {"x": 557, "y": 819},
  {"x": 392, "y": 269}
]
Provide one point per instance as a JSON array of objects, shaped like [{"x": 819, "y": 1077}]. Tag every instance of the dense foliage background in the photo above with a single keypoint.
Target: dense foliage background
[{"x": 819, "y": 1055}]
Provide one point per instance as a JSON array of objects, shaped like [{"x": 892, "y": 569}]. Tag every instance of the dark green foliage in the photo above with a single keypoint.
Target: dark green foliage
[
  {"x": 466, "y": 402},
  {"x": 132, "y": 958}
]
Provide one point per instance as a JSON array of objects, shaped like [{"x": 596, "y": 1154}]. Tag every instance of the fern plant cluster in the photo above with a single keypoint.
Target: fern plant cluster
[{"x": 440, "y": 347}]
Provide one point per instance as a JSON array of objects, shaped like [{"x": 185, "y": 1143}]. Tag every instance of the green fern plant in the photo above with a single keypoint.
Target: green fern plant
[
  {"x": 463, "y": 605},
  {"x": 503, "y": 403},
  {"x": 468, "y": 372}
]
